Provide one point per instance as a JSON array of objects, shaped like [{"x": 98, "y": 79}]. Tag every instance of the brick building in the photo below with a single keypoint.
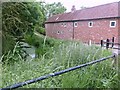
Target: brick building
[{"x": 94, "y": 23}]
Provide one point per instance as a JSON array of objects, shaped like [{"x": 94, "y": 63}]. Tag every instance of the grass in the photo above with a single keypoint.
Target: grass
[
  {"x": 0, "y": 57},
  {"x": 0, "y": 44},
  {"x": 61, "y": 56}
]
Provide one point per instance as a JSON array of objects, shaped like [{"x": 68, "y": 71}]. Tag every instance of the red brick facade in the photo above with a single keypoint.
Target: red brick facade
[
  {"x": 100, "y": 30},
  {"x": 101, "y": 27},
  {"x": 59, "y": 30}
]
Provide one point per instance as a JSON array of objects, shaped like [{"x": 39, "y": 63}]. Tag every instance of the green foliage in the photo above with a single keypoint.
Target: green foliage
[
  {"x": 54, "y": 8},
  {"x": 41, "y": 30},
  {"x": 67, "y": 54},
  {"x": 20, "y": 19},
  {"x": 0, "y": 44},
  {"x": 42, "y": 44},
  {"x": 14, "y": 55},
  {"x": 7, "y": 43}
]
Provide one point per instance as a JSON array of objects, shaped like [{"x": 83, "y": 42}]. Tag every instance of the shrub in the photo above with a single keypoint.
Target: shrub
[
  {"x": 41, "y": 30},
  {"x": 14, "y": 55}
]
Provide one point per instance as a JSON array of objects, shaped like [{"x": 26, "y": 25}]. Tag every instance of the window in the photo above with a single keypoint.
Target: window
[
  {"x": 75, "y": 24},
  {"x": 61, "y": 24},
  {"x": 90, "y": 24},
  {"x": 112, "y": 23},
  {"x": 65, "y": 25},
  {"x": 58, "y": 32}
]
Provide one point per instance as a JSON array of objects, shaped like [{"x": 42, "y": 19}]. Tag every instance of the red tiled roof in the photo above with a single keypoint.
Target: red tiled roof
[{"x": 102, "y": 11}]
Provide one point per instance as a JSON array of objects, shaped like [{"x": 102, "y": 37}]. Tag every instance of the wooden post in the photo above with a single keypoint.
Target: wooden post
[
  {"x": 107, "y": 43},
  {"x": 101, "y": 43},
  {"x": 112, "y": 42},
  {"x": 90, "y": 43}
]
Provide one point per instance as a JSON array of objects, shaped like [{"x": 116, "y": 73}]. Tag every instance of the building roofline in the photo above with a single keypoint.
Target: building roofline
[
  {"x": 101, "y": 5},
  {"x": 55, "y": 17},
  {"x": 95, "y": 6},
  {"x": 82, "y": 20}
]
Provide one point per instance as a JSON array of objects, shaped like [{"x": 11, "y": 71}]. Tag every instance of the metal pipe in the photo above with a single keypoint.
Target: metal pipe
[{"x": 55, "y": 74}]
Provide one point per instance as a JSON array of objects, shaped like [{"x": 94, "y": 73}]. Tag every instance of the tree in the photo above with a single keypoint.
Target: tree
[
  {"x": 54, "y": 8},
  {"x": 20, "y": 19}
]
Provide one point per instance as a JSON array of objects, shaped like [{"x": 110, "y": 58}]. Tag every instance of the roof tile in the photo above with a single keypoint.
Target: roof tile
[{"x": 101, "y": 11}]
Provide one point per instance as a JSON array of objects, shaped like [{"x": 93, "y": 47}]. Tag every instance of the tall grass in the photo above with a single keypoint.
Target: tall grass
[
  {"x": 0, "y": 74},
  {"x": 68, "y": 54}
]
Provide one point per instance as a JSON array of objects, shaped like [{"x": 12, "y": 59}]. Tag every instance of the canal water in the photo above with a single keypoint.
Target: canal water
[{"x": 30, "y": 51}]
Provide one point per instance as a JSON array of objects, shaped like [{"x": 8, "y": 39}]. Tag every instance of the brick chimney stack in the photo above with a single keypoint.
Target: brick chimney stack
[{"x": 73, "y": 8}]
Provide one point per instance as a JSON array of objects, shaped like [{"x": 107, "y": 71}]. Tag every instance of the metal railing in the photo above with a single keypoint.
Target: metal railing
[
  {"x": 109, "y": 43},
  {"x": 56, "y": 73}
]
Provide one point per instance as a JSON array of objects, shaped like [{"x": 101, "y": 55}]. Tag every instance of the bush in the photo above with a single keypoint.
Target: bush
[
  {"x": 41, "y": 30},
  {"x": 8, "y": 43},
  {"x": 20, "y": 19},
  {"x": 14, "y": 55},
  {"x": 42, "y": 44}
]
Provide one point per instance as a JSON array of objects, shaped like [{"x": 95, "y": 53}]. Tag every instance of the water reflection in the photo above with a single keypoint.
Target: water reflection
[{"x": 30, "y": 51}]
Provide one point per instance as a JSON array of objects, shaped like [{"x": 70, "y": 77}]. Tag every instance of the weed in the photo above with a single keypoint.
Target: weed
[{"x": 61, "y": 56}]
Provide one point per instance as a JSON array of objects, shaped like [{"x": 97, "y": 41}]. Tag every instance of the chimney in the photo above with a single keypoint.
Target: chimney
[{"x": 73, "y": 8}]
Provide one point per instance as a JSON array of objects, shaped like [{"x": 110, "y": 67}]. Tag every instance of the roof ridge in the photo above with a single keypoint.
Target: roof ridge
[
  {"x": 108, "y": 10},
  {"x": 93, "y": 7}
]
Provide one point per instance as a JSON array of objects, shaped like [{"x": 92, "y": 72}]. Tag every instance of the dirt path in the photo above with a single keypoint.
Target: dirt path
[{"x": 40, "y": 35}]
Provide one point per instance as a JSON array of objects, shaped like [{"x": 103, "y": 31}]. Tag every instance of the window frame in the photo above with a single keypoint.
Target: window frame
[
  {"x": 65, "y": 25},
  {"x": 58, "y": 32},
  {"x": 91, "y": 24},
  {"x": 75, "y": 24},
  {"x": 62, "y": 24},
  {"x": 111, "y": 23}
]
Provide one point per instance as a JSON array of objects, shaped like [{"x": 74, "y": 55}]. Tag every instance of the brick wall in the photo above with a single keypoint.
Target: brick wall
[
  {"x": 60, "y": 30},
  {"x": 119, "y": 30},
  {"x": 101, "y": 30}
]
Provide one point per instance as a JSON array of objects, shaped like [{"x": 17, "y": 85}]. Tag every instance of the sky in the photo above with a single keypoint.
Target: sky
[{"x": 79, "y": 3}]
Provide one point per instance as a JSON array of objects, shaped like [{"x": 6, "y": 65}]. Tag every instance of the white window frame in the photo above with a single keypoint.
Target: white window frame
[
  {"x": 62, "y": 24},
  {"x": 75, "y": 24},
  {"x": 91, "y": 23},
  {"x": 111, "y": 23},
  {"x": 58, "y": 32},
  {"x": 65, "y": 24}
]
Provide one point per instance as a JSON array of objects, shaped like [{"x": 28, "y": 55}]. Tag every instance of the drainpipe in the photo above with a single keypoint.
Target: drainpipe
[{"x": 73, "y": 31}]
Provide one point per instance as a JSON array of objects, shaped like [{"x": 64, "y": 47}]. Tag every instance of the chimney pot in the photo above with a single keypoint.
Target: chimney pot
[{"x": 73, "y": 8}]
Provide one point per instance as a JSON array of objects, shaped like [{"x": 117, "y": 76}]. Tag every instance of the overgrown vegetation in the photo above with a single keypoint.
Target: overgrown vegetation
[
  {"x": 21, "y": 20},
  {"x": 61, "y": 56}
]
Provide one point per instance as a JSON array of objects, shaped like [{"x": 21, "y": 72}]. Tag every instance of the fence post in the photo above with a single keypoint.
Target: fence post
[
  {"x": 107, "y": 43},
  {"x": 112, "y": 42},
  {"x": 115, "y": 61},
  {"x": 101, "y": 43},
  {"x": 90, "y": 43}
]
